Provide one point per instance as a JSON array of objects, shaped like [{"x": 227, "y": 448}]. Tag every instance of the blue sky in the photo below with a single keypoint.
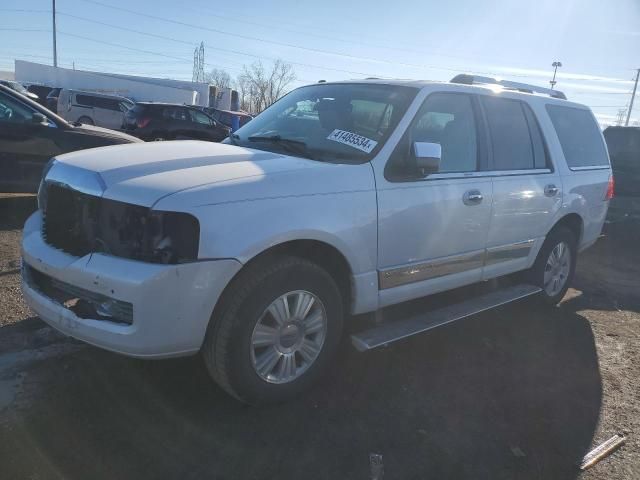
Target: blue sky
[{"x": 598, "y": 42}]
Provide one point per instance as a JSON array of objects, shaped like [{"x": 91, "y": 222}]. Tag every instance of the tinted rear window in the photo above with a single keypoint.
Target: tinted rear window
[
  {"x": 579, "y": 136},
  {"x": 515, "y": 138}
]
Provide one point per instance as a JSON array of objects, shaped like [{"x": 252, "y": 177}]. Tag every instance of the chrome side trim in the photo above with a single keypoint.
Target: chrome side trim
[
  {"x": 590, "y": 167},
  {"x": 488, "y": 173},
  {"x": 416, "y": 272},
  {"x": 504, "y": 253}
]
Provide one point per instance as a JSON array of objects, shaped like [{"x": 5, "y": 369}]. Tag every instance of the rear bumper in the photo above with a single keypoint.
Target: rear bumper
[{"x": 172, "y": 304}]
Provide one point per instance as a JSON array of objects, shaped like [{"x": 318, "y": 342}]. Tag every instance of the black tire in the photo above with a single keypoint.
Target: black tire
[
  {"x": 86, "y": 120},
  {"x": 536, "y": 274},
  {"x": 227, "y": 346}
]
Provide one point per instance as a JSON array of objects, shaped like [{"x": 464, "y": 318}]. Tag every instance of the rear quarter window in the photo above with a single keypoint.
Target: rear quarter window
[{"x": 579, "y": 136}]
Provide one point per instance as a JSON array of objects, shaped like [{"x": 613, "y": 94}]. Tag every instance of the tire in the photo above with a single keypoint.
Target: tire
[
  {"x": 555, "y": 280},
  {"x": 86, "y": 120},
  {"x": 233, "y": 350}
]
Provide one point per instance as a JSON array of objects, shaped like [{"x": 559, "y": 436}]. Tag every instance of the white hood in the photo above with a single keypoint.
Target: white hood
[{"x": 146, "y": 173}]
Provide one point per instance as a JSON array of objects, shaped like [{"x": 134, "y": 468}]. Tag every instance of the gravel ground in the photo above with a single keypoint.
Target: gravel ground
[{"x": 520, "y": 392}]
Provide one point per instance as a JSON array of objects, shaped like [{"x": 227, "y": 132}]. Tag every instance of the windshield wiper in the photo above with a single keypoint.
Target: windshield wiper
[{"x": 297, "y": 147}]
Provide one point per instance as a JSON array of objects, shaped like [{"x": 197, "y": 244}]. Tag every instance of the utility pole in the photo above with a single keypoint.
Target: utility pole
[
  {"x": 555, "y": 66},
  {"x": 55, "y": 50},
  {"x": 633, "y": 96}
]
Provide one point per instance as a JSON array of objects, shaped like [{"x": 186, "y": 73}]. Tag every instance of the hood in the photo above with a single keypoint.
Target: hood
[
  {"x": 193, "y": 172},
  {"x": 104, "y": 132}
]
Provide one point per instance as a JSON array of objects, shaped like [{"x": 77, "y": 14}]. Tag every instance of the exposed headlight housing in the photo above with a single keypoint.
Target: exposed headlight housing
[{"x": 79, "y": 224}]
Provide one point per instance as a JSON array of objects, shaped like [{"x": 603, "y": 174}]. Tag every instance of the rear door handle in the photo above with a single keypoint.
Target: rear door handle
[
  {"x": 472, "y": 197},
  {"x": 551, "y": 190}
]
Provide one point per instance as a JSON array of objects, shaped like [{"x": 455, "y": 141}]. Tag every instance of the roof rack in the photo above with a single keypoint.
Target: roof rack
[{"x": 467, "y": 79}]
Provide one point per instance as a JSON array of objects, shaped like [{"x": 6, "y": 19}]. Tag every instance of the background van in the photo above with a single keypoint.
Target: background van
[{"x": 93, "y": 108}]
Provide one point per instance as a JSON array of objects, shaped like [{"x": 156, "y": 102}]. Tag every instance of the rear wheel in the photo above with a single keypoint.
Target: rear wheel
[
  {"x": 555, "y": 265},
  {"x": 86, "y": 120},
  {"x": 277, "y": 327}
]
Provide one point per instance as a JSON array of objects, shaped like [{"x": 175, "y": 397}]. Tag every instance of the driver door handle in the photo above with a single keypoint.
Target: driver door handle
[{"x": 472, "y": 197}]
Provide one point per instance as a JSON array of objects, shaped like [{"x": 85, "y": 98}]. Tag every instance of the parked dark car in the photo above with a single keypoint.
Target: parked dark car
[
  {"x": 52, "y": 99},
  {"x": 30, "y": 135},
  {"x": 624, "y": 150},
  {"x": 225, "y": 117},
  {"x": 18, "y": 87},
  {"x": 165, "y": 121},
  {"x": 41, "y": 91}
]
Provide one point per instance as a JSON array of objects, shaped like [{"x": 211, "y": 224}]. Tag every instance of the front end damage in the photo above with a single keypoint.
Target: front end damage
[{"x": 79, "y": 223}]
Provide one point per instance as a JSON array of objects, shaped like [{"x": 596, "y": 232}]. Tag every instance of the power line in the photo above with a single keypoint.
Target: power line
[
  {"x": 237, "y": 52},
  {"x": 122, "y": 46}
]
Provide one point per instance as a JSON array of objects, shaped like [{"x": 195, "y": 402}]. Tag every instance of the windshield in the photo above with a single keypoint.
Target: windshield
[{"x": 333, "y": 122}]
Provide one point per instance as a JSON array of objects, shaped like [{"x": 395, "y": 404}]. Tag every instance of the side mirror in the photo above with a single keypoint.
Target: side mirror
[
  {"x": 427, "y": 156},
  {"x": 39, "y": 119}
]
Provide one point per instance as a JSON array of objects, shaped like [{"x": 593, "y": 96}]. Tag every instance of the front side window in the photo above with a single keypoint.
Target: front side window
[
  {"x": 579, "y": 136},
  {"x": 12, "y": 111},
  {"x": 511, "y": 139},
  {"x": 447, "y": 119},
  {"x": 199, "y": 117},
  {"x": 329, "y": 122}
]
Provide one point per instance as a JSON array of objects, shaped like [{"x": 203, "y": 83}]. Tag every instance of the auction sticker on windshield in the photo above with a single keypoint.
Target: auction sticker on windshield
[{"x": 353, "y": 140}]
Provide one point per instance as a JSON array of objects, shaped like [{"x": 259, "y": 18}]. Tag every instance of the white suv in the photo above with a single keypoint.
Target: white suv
[{"x": 339, "y": 199}]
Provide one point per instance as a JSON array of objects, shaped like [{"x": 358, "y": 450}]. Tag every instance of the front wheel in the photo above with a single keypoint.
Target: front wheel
[
  {"x": 277, "y": 327},
  {"x": 555, "y": 265}
]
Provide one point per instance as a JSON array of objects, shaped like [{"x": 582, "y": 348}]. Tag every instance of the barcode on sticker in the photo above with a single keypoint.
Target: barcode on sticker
[{"x": 353, "y": 140}]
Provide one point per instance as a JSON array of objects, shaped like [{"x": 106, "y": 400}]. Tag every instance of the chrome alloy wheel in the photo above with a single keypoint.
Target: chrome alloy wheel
[
  {"x": 557, "y": 268},
  {"x": 288, "y": 336}
]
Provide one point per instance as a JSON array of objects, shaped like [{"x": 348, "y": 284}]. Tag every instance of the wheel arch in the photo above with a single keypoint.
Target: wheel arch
[
  {"x": 573, "y": 222},
  {"x": 320, "y": 252}
]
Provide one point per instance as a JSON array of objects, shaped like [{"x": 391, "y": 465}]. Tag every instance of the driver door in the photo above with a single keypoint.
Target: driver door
[
  {"x": 25, "y": 147},
  {"x": 432, "y": 230}
]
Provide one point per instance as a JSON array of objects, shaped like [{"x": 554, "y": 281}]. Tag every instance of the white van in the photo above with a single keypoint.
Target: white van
[{"x": 93, "y": 108}]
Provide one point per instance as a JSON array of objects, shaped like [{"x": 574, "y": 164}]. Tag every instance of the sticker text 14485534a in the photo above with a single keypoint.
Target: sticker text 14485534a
[{"x": 353, "y": 140}]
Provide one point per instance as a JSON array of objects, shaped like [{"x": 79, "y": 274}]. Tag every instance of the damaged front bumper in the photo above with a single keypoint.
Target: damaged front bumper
[{"x": 126, "y": 306}]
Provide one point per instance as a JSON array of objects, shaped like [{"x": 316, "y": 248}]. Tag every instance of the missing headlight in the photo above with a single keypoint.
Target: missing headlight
[
  {"x": 152, "y": 236},
  {"x": 79, "y": 224}
]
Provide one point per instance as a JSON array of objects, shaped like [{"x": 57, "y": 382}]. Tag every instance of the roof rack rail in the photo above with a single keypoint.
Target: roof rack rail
[{"x": 467, "y": 79}]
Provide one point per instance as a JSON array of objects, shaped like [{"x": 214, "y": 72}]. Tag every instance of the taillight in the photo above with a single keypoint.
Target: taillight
[
  {"x": 610, "y": 188},
  {"x": 142, "y": 122}
]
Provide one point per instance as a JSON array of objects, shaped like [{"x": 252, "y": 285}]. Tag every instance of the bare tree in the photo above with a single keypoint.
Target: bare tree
[
  {"x": 259, "y": 88},
  {"x": 218, "y": 77}
]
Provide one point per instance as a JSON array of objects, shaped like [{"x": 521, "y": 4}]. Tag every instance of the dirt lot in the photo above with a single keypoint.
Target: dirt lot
[{"x": 520, "y": 392}]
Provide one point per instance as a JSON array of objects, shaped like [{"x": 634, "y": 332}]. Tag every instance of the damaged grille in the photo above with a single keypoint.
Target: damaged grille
[
  {"x": 68, "y": 219},
  {"x": 79, "y": 224}
]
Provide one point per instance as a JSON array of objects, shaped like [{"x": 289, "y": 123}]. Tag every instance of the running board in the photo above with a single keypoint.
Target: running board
[{"x": 393, "y": 331}]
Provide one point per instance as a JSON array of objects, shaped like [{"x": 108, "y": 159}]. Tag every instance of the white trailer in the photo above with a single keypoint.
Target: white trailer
[{"x": 136, "y": 88}]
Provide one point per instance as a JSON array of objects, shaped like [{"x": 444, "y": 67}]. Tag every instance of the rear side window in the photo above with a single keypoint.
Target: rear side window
[
  {"x": 98, "y": 102},
  {"x": 579, "y": 136},
  {"x": 515, "y": 135},
  {"x": 86, "y": 100},
  {"x": 176, "y": 113}
]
